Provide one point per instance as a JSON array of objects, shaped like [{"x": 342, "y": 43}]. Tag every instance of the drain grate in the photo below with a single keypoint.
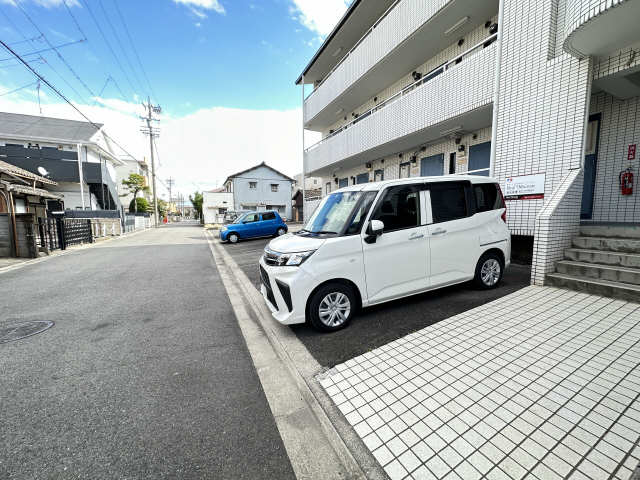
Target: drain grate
[{"x": 10, "y": 333}]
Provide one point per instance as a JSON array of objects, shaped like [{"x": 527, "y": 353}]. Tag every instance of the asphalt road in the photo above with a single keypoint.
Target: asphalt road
[
  {"x": 144, "y": 375},
  {"x": 381, "y": 324}
]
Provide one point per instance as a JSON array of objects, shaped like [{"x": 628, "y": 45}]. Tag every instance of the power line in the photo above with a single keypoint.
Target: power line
[
  {"x": 124, "y": 51},
  {"x": 18, "y": 89},
  {"x": 37, "y": 52},
  {"x": 61, "y": 95},
  {"x": 135, "y": 50},
  {"x": 75, "y": 20},
  {"x": 106, "y": 40},
  {"x": 62, "y": 59},
  {"x": 19, "y": 42}
]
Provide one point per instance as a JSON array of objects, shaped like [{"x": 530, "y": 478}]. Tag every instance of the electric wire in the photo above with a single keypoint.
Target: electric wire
[
  {"x": 37, "y": 52},
  {"x": 135, "y": 50},
  {"x": 63, "y": 97},
  {"x": 18, "y": 89},
  {"x": 106, "y": 41},
  {"x": 122, "y": 49}
]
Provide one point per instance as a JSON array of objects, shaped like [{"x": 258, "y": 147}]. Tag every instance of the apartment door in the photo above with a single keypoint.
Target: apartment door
[
  {"x": 479, "y": 159},
  {"x": 590, "y": 166},
  {"x": 432, "y": 166}
]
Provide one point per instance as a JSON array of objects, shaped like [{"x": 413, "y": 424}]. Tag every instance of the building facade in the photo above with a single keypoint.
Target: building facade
[
  {"x": 261, "y": 188},
  {"x": 215, "y": 203},
  {"x": 541, "y": 94},
  {"x": 129, "y": 166},
  {"x": 77, "y": 155}
]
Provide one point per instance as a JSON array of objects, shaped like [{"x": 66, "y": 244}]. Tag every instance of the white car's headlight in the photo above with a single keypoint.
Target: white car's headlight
[{"x": 295, "y": 259}]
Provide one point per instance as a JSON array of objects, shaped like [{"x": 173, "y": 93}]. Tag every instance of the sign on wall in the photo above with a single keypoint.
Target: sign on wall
[
  {"x": 524, "y": 187},
  {"x": 631, "y": 153}
]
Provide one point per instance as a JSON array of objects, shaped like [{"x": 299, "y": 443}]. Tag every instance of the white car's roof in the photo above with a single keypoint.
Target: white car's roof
[{"x": 412, "y": 180}]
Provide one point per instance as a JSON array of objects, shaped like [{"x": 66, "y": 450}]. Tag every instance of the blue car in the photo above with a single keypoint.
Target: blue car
[{"x": 252, "y": 225}]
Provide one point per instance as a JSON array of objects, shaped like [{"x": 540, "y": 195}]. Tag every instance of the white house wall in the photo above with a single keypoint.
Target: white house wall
[
  {"x": 459, "y": 90},
  {"x": 619, "y": 128},
  {"x": 262, "y": 196}
]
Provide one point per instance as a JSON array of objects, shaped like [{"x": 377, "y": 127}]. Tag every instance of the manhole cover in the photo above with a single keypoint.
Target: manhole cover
[{"x": 9, "y": 333}]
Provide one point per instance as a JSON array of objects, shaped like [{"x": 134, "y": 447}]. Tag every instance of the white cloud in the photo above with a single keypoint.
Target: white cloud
[
  {"x": 319, "y": 16},
  {"x": 199, "y": 149},
  {"x": 197, "y": 6}
]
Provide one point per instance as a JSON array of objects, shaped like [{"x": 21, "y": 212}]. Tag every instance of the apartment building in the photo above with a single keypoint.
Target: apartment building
[
  {"x": 139, "y": 167},
  {"x": 544, "y": 95}
]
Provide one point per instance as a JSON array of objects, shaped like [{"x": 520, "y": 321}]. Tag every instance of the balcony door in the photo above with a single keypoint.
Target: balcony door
[
  {"x": 479, "y": 159},
  {"x": 432, "y": 166}
]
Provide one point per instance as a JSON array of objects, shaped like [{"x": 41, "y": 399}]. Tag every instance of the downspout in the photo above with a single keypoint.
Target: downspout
[
  {"x": 496, "y": 91},
  {"x": 14, "y": 225},
  {"x": 303, "y": 159},
  {"x": 80, "y": 175}
]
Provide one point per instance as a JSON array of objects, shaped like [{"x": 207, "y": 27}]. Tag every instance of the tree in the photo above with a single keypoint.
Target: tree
[
  {"x": 163, "y": 208},
  {"x": 135, "y": 183},
  {"x": 196, "y": 201},
  {"x": 139, "y": 204}
]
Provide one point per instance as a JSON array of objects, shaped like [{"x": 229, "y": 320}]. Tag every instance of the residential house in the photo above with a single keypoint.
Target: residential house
[
  {"x": 261, "y": 188},
  {"x": 215, "y": 203},
  {"x": 541, "y": 94},
  {"x": 24, "y": 198},
  {"x": 129, "y": 166},
  {"x": 77, "y": 155}
]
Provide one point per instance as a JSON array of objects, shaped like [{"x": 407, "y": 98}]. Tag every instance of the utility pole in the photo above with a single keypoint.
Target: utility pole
[
  {"x": 152, "y": 132},
  {"x": 170, "y": 183}
]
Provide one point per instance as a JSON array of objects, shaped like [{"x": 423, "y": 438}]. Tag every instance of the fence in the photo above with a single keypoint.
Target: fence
[{"x": 60, "y": 233}]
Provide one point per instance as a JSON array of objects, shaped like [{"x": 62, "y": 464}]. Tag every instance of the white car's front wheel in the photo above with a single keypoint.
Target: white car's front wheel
[{"x": 332, "y": 307}]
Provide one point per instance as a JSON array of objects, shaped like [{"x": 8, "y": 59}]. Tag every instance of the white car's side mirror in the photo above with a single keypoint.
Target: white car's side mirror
[{"x": 376, "y": 227}]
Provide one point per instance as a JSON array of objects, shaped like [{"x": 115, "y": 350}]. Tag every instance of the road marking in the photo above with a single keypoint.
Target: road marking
[{"x": 314, "y": 447}]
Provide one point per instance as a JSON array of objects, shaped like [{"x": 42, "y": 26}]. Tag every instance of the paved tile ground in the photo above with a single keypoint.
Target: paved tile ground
[{"x": 543, "y": 383}]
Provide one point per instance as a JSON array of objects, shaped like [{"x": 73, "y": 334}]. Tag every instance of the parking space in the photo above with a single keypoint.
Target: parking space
[{"x": 384, "y": 323}]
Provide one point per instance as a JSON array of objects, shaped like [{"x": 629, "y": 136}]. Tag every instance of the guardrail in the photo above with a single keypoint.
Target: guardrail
[{"x": 409, "y": 88}]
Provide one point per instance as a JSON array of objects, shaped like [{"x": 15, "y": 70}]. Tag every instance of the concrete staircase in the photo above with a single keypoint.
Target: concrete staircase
[{"x": 604, "y": 260}]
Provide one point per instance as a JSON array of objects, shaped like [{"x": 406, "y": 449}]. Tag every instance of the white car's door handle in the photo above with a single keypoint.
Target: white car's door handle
[
  {"x": 440, "y": 231},
  {"x": 415, "y": 236}
]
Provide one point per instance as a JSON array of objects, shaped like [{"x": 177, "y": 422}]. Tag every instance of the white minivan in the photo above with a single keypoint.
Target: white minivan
[{"x": 374, "y": 242}]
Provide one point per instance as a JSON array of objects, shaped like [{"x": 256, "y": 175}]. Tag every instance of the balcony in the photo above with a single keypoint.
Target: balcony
[
  {"x": 459, "y": 96},
  {"x": 410, "y": 32},
  {"x": 600, "y": 27}
]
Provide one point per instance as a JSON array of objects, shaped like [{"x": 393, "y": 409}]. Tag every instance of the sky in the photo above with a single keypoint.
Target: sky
[{"x": 222, "y": 70}]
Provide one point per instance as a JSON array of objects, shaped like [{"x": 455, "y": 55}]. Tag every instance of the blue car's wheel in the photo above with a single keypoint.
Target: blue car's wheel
[
  {"x": 233, "y": 237},
  {"x": 281, "y": 231}
]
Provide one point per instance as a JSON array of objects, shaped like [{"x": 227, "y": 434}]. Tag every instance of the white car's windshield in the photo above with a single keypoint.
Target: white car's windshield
[{"x": 333, "y": 213}]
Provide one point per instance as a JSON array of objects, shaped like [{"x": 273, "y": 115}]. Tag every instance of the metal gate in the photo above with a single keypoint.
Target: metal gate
[
  {"x": 48, "y": 234},
  {"x": 76, "y": 231}
]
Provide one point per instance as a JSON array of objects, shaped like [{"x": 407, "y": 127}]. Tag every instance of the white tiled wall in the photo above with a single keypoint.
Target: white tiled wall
[
  {"x": 465, "y": 87},
  {"x": 542, "y": 109},
  {"x": 579, "y": 12},
  {"x": 452, "y": 51},
  {"x": 402, "y": 21},
  {"x": 619, "y": 128}
]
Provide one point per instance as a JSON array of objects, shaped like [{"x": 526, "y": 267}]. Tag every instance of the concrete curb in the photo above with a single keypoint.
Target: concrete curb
[
  {"x": 61, "y": 253},
  {"x": 356, "y": 462}
]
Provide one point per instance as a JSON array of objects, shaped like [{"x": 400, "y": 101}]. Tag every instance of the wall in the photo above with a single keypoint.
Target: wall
[
  {"x": 243, "y": 196},
  {"x": 72, "y": 198},
  {"x": 619, "y": 127},
  {"x": 212, "y": 202},
  {"x": 6, "y": 249},
  {"x": 543, "y": 105}
]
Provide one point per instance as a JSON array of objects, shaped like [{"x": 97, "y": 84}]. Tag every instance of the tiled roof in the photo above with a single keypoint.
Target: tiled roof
[
  {"x": 14, "y": 125},
  {"x": 20, "y": 172}
]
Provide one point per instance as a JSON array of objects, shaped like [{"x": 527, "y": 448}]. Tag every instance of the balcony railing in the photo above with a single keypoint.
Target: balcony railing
[
  {"x": 399, "y": 22},
  {"x": 414, "y": 115},
  {"x": 409, "y": 88}
]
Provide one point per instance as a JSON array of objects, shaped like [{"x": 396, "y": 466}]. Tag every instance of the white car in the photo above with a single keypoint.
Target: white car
[{"x": 371, "y": 243}]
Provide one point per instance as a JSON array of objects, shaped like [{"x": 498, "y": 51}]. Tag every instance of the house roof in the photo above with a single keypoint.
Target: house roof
[
  {"x": 263, "y": 164},
  {"x": 19, "y": 126},
  {"x": 7, "y": 168}
]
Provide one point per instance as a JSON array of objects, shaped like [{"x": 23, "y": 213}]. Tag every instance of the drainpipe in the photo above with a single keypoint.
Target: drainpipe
[
  {"x": 303, "y": 159},
  {"x": 13, "y": 225},
  {"x": 80, "y": 175},
  {"x": 496, "y": 91}
]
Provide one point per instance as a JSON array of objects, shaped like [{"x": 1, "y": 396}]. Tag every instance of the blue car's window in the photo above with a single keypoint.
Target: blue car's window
[
  {"x": 252, "y": 217},
  {"x": 268, "y": 216}
]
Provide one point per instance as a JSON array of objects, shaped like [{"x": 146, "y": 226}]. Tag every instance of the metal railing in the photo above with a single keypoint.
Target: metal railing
[
  {"x": 352, "y": 49},
  {"x": 409, "y": 88}
]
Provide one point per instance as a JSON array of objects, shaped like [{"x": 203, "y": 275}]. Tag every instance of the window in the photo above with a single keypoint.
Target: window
[
  {"x": 399, "y": 208},
  {"x": 268, "y": 216},
  {"x": 487, "y": 197},
  {"x": 343, "y": 182},
  {"x": 405, "y": 170},
  {"x": 361, "y": 213},
  {"x": 253, "y": 185},
  {"x": 378, "y": 175},
  {"x": 274, "y": 187},
  {"x": 327, "y": 188},
  {"x": 448, "y": 201},
  {"x": 252, "y": 217}
]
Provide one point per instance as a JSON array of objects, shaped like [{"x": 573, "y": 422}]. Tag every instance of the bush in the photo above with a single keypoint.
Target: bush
[{"x": 143, "y": 205}]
